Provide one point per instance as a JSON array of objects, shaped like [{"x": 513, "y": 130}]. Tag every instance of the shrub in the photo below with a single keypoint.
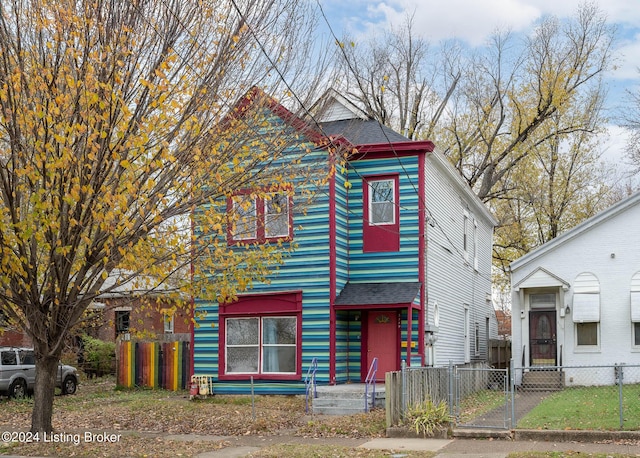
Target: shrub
[
  {"x": 98, "y": 356},
  {"x": 426, "y": 417}
]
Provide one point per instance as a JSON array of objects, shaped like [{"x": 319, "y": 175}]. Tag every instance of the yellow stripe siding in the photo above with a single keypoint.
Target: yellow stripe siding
[
  {"x": 152, "y": 364},
  {"x": 175, "y": 366},
  {"x": 130, "y": 366}
]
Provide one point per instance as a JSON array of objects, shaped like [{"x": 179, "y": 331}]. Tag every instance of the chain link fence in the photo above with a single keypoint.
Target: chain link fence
[
  {"x": 548, "y": 397},
  {"x": 577, "y": 397}
]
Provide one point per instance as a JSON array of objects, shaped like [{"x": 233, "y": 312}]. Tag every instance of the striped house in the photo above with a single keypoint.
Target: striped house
[{"x": 357, "y": 287}]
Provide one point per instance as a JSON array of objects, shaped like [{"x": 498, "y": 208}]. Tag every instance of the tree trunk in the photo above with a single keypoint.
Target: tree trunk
[{"x": 44, "y": 391}]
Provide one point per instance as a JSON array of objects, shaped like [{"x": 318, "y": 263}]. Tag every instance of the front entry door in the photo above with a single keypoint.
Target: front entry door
[
  {"x": 382, "y": 342},
  {"x": 542, "y": 337}
]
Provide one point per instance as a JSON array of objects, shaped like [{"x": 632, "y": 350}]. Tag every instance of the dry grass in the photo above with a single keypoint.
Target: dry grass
[{"x": 145, "y": 418}]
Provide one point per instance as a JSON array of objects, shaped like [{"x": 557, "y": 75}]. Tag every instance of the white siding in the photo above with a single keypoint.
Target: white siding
[
  {"x": 608, "y": 250},
  {"x": 451, "y": 281}
]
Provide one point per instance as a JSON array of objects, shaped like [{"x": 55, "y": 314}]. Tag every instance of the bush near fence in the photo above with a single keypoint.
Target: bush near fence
[
  {"x": 153, "y": 365},
  {"x": 413, "y": 386}
]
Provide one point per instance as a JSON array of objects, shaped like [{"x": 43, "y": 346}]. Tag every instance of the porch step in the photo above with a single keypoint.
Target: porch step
[
  {"x": 541, "y": 380},
  {"x": 345, "y": 399}
]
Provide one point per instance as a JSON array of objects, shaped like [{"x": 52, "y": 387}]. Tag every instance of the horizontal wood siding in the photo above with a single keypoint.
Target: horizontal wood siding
[
  {"x": 452, "y": 281},
  {"x": 385, "y": 266},
  {"x": 306, "y": 269},
  {"x": 346, "y": 340}
]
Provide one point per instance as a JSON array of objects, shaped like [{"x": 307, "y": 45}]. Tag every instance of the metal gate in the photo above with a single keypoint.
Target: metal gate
[{"x": 482, "y": 398}]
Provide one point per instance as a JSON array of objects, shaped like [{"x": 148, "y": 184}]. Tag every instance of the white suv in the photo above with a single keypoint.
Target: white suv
[{"x": 18, "y": 373}]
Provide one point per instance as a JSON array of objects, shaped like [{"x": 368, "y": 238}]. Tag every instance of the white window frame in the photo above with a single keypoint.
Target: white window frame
[
  {"x": 168, "y": 323},
  {"x": 475, "y": 244},
  {"x": 587, "y": 347},
  {"x": 586, "y": 308},
  {"x": 261, "y": 345},
  {"x": 244, "y": 219},
  {"x": 465, "y": 235},
  {"x": 393, "y": 202},
  {"x": 284, "y": 213}
]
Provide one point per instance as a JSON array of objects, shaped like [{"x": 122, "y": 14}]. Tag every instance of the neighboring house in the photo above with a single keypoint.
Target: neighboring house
[
  {"x": 393, "y": 262},
  {"x": 504, "y": 325},
  {"x": 576, "y": 299},
  {"x": 10, "y": 336},
  {"x": 136, "y": 309},
  {"x": 125, "y": 311}
]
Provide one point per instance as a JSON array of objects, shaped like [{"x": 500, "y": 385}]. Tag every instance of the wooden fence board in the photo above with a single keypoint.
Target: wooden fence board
[{"x": 153, "y": 364}]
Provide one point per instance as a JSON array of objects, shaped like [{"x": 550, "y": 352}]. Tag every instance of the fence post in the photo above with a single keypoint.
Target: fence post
[
  {"x": 450, "y": 393},
  {"x": 404, "y": 387},
  {"x": 619, "y": 375},
  {"x": 512, "y": 388}
]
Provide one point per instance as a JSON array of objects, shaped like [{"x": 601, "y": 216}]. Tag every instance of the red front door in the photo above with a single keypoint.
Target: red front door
[
  {"x": 542, "y": 337},
  {"x": 382, "y": 342}
]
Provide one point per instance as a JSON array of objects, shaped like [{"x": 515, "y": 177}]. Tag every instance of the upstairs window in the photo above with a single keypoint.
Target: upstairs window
[
  {"x": 244, "y": 208},
  {"x": 260, "y": 219},
  {"x": 382, "y": 202},
  {"x": 381, "y": 214}
]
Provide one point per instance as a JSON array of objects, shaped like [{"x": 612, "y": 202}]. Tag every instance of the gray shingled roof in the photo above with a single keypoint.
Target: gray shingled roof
[
  {"x": 378, "y": 293},
  {"x": 362, "y": 132}
]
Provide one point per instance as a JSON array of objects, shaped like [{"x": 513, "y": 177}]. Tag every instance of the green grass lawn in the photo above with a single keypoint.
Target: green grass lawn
[
  {"x": 586, "y": 408},
  {"x": 480, "y": 403}
]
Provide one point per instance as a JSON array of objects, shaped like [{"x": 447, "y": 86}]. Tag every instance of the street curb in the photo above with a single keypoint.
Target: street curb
[
  {"x": 574, "y": 435},
  {"x": 407, "y": 433}
]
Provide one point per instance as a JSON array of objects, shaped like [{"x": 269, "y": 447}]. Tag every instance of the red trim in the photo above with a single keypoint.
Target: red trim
[
  {"x": 255, "y": 95},
  {"x": 332, "y": 277},
  {"x": 422, "y": 218},
  {"x": 287, "y": 303},
  {"x": 380, "y": 237},
  {"x": 394, "y": 149}
]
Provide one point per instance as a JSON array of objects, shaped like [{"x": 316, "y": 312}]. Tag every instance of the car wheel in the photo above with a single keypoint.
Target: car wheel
[
  {"x": 69, "y": 385},
  {"x": 18, "y": 389}
]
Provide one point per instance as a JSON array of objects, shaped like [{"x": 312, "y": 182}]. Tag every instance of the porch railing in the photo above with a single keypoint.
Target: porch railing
[
  {"x": 370, "y": 381},
  {"x": 310, "y": 382}
]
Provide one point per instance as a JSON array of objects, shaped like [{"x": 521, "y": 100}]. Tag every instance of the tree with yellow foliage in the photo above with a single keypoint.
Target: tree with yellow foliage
[{"x": 116, "y": 122}]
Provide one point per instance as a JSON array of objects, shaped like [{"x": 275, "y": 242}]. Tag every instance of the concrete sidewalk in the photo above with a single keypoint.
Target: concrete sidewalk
[{"x": 623, "y": 443}]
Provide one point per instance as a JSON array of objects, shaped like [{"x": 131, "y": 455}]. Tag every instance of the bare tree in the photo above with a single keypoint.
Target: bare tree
[{"x": 392, "y": 80}]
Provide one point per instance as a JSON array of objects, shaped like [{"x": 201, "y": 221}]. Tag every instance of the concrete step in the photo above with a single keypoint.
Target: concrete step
[
  {"x": 345, "y": 399},
  {"x": 543, "y": 381},
  {"x": 338, "y": 406}
]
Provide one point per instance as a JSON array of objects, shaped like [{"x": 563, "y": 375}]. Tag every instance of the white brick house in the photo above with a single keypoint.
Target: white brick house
[{"x": 576, "y": 299}]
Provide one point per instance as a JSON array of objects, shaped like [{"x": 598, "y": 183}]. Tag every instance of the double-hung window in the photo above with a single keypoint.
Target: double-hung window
[
  {"x": 381, "y": 214},
  {"x": 261, "y": 345},
  {"x": 382, "y": 202},
  {"x": 260, "y": 337},
  {"x": 254, "y": 218},
  {"x": 586, "y": 310}
]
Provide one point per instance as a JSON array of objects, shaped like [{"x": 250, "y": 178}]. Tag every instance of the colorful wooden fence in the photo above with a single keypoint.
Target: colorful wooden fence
[{"x": 153, "y": 365}]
